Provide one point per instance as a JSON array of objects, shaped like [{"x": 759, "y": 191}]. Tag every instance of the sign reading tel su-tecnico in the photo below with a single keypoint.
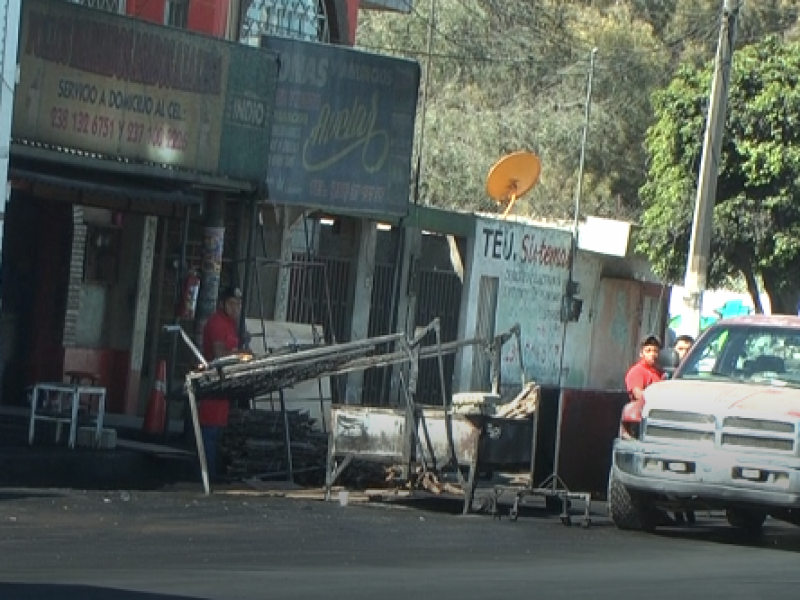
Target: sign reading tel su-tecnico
[
  {"x": 116, "y": 86},
  {"x": 343, "y": 130}
]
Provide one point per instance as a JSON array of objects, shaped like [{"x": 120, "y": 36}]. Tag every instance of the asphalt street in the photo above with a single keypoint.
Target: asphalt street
[{"x": 168, "y": 545}]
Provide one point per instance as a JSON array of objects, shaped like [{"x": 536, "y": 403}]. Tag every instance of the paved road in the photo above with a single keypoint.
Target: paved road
[{"x": 165, "y": 546}]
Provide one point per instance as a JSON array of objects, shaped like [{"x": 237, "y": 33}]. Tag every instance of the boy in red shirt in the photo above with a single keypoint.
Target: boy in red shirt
[
  {"x": 642, "y": 375},
  {"x": 645, "y": 372}
]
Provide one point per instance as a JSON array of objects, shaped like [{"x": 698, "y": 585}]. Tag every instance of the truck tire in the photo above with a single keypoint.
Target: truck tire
[
  {"x": 751, "y": 521},
  {"x": 629, "y": 510}
]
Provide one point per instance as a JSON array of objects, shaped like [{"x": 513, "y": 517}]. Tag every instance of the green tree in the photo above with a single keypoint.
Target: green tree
[
  {"x": 757, "y": 210},
  {"x": 506, "y": 75},
  {"x": 511, "y": 75}
]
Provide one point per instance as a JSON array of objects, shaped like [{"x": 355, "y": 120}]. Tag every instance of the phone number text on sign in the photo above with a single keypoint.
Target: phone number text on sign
[{"x": 130, "y": 131}]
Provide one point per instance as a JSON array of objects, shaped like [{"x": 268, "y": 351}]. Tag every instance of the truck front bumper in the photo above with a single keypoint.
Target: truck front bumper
[{"x": 682, "y": 472}]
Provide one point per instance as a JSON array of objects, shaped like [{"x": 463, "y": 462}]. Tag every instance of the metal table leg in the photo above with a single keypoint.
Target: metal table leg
[
  {"x": 287, "y": 437},
  {"x": 73, "y": 425}
]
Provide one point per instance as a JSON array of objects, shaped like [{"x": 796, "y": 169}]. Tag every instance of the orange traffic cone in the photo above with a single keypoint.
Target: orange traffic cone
[{"x": 156, "y": 414}]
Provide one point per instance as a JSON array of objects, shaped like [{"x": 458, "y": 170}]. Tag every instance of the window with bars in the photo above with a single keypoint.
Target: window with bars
[
  {"x": 114, "y": 6},
  {"x": 176, "y": 13},
  {"x": 300, "y": 19}
]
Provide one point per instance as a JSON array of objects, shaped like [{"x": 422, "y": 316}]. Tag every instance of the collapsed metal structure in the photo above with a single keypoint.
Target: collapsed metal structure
[
  {"x": 429, "y": 444},
  {"x": 244, "y": 375}
]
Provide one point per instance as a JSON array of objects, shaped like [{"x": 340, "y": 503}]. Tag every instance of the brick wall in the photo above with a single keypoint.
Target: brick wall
[{"x": 75, "y": 277}]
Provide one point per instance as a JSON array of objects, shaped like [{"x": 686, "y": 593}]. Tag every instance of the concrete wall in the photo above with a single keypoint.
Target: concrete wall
[
  {"x": 532, "y": 266},
  {"x": 578, "y": 344}
]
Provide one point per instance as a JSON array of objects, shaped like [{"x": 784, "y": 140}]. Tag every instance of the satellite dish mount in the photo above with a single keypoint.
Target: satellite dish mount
[{"x": 512, "y": 177}]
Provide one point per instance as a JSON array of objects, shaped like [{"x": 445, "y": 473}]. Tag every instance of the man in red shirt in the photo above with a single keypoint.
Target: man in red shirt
[
  {"x": 220, "y": 338},
  {"x": 645, "y": 372}
]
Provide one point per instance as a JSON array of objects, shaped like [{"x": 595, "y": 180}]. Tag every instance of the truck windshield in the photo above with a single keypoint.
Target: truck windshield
[{"x": 746, "y": 353}]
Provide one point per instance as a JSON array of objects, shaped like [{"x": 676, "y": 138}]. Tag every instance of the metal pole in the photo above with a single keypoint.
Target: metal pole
[
  {"x": 578, "y": 195},
  {"x": 587, "y": 108},
  {"x": 576, "y": 218},
  {"x": 287, "y": 437},
  {"x": 702, "y": 224},
  {"x": 249, "y": 265}
]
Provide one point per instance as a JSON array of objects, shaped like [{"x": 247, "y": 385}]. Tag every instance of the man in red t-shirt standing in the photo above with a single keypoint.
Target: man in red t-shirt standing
[
  {"x": 220, "y": 338},
  {"x": 645, "y": 372}
]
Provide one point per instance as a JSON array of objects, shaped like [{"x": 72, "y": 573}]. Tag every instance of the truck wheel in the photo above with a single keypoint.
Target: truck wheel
[
  {"x": 630, "y": 510},
  {"x": 751, "y": 521}
]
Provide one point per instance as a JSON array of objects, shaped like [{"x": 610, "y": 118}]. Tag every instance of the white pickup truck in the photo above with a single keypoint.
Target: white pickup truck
[{"x": 722, "y": 433}]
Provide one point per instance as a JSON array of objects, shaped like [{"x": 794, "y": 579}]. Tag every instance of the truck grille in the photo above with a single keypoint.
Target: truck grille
[
  {"x": 656, "y": 431},
  {"x": 746, "y": 441},
  {"x": 758, "y": 424},
  {"x": 732, "y": 432},
  {"x": 679, "y": 416}
]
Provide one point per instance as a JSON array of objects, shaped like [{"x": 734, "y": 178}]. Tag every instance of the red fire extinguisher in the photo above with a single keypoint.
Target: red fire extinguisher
[{"x": 188, "y": 302}]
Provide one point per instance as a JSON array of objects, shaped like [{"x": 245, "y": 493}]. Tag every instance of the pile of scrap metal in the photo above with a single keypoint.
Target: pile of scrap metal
[
  {"x": 253, "y": 446},
  {"x": 488, "y": 404},
  {"x": 523, "y": 405}
]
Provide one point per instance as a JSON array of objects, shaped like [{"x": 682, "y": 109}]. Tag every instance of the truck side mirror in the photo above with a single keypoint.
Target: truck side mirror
[{"x": 668, "y": 360}]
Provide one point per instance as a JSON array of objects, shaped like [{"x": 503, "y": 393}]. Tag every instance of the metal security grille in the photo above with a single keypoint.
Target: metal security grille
[
  {"x": 377, "y": 380},
  {"x": 485, "y": 329},
  {"x": 114, "y": 6},
  {"x": 299, "y": 19},
  {"x": 439, "y": 296},
  {"x": 321, "y": 295}
]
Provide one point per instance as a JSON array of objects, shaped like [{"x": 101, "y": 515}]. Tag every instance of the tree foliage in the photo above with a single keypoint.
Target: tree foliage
[
  {"x": 506, "y": 75},
  {"x": 757, "y": 210}
]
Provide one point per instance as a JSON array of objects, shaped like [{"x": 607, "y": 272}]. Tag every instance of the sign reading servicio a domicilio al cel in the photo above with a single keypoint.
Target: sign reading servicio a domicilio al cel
[{"x": 117, "y": 86}]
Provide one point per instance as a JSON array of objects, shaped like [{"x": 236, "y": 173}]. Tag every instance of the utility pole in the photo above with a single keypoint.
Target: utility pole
[
  {"x": 702, "y": 225},
  {"x": 424, "y": 107}
]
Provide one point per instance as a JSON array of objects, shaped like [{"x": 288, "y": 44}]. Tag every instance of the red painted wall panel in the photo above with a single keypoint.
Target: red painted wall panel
[
  {"x": 208, "y": 16},
  {"x": 352, "y": 20},
  {"x": 149, "y": 10},
  {"x": 588, "y": 429},
  {"x": 110, "y": 365},
  {"x": 205, "y": 16}
]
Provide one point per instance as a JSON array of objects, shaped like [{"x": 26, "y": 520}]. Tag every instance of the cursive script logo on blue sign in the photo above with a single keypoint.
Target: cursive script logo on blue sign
[{"x": 337, "y": 134}]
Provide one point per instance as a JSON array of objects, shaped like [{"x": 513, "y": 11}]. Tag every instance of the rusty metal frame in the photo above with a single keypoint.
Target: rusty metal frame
[
  {"x": 272, "y": 373},
  {"x": 417, "y": 436}
]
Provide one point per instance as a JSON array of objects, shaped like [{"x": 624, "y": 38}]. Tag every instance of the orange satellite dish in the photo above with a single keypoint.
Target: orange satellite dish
[{"x": 511, "y": 177}]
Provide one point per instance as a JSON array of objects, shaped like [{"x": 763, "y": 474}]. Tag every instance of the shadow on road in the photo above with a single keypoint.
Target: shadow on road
[
  {"x": 537, "y": 508},
  {"x": 46, "y": 591},
  {"x": 786, "y": 539},
  {"x": 22, "y": 494}
]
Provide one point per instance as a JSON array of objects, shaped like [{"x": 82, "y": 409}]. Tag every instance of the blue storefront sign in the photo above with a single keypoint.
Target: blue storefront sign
[{"x": 343, "y": 129}]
